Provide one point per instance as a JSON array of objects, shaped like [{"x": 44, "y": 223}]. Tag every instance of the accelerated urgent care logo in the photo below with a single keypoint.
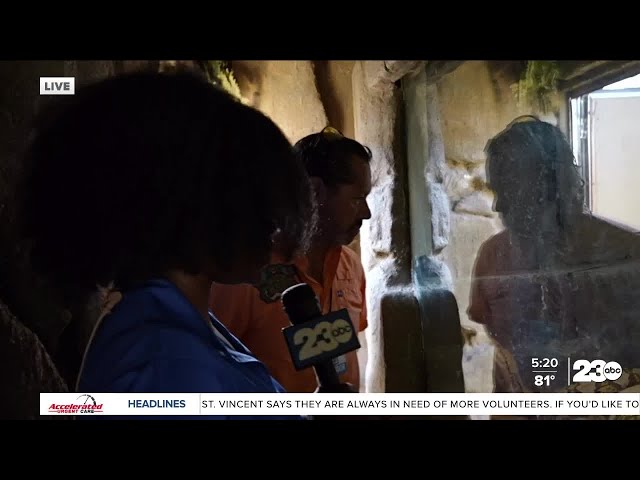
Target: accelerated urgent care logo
[{"x": 83, "y": 404}]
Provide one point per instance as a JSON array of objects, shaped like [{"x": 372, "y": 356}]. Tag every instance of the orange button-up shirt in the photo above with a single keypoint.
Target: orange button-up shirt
[{"x": 257, "y": 318}]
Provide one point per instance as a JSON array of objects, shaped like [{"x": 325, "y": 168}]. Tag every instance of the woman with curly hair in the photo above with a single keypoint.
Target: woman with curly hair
[
  {"x": 558, "y": 282},
  {"x": 155, "y": 185}
]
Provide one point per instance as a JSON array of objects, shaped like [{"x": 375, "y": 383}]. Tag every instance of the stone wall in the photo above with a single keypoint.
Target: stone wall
[
  {"x": 302, "y": 97},
  {"x": 286, "y": 92},
  {"x": 379, "y": 123}
]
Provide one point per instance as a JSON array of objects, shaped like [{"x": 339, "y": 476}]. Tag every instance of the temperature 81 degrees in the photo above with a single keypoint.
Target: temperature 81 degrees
[{"x": 544, "y": 370}]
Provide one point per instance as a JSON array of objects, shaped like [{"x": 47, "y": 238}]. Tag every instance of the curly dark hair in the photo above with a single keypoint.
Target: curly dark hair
[
  {"x": 527, "y": 140},
  {"x": 142, "y": 173},
  {"x": 327, "y": 155}
]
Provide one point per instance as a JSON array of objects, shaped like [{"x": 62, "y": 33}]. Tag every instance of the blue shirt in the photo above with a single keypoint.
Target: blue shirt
[{"x": 155, "y": 341}]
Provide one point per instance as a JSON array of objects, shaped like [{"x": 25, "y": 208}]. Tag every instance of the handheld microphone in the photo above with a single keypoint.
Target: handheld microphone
[{"x": 314, "y": 340}]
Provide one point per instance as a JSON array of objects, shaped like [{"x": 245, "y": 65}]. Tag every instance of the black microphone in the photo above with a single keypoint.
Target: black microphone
[{"x": 314, "y": 340}]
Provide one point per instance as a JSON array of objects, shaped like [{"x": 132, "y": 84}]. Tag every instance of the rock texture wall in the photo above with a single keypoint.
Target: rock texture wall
[{"x": 379, "y": 123}]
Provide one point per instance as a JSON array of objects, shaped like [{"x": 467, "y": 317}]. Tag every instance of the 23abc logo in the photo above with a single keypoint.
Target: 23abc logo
[
  {"x": 596, "y": 371},
  {"x": 324, "y": 337}
]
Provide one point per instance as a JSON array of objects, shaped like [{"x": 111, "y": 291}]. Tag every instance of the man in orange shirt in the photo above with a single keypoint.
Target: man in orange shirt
[{"x": 341, "y": 177}]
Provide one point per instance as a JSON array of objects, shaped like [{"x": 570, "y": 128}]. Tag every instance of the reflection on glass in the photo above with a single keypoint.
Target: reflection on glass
[{"x": 558, "y": 284}]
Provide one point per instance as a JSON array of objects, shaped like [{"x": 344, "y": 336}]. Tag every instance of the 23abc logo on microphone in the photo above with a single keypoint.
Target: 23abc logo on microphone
[{"x": 322, "y": 338}]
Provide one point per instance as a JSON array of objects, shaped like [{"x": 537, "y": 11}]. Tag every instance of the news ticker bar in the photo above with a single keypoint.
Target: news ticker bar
[{"x": 555, "y": 404}]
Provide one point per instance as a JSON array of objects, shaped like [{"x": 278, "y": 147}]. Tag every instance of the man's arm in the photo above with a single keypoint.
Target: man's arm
[{"x": 363, "y": 313}]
